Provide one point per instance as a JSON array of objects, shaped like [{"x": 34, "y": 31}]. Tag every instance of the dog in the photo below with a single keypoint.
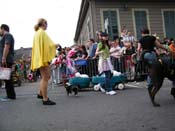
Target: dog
[
  {"x": 163, "y": 67},
  {"x": 70, "y": 88}
]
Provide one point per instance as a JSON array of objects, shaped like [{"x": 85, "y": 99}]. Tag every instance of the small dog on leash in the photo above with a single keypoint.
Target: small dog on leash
[{"x": 70, "y": 89}]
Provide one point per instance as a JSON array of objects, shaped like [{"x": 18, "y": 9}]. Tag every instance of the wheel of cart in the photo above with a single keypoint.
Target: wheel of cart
[
  {"x": 76, "y": 84},
  {"x": 120, "y": 86},
  {"x": 118, "y": 82}
]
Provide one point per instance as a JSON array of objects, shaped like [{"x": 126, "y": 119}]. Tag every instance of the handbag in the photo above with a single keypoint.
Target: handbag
[{"x": 5, "y": 73}]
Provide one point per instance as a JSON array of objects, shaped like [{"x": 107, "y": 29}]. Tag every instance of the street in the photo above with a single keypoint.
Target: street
[{"x": 129, "y": 110}]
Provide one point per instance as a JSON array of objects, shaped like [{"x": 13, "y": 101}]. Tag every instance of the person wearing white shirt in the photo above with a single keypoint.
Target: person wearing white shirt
[
  {"x": 115, "y": 53},
  {"x": 115, "y": 50}
]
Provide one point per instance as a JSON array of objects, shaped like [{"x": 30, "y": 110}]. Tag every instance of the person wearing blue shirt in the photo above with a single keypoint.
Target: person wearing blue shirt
[{"x": 92, "y": 48}]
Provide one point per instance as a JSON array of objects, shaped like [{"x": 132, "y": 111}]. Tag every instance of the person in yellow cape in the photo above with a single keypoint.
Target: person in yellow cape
[{"x": 43, "y": 51}]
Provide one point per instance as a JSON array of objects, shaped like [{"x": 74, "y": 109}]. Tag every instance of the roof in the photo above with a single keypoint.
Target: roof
[
  {"x": 22, "y": 53},
  {"x": 82, "y": 14}
]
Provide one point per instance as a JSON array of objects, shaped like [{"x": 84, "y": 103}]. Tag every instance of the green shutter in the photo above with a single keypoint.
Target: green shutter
[
  {"x": 140, "y": 22},
  {"x": 113, "y": 24},
  {"x": 169, "y": 18}
]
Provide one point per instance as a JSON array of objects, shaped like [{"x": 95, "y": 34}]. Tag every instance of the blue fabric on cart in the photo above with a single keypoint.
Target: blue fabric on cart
[{"x": 81, "y": 62}]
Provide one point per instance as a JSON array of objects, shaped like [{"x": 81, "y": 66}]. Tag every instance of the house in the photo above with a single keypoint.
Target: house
[{"x": 113, "y": 15}]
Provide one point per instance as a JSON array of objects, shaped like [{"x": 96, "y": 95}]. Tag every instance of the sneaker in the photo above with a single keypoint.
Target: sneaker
[
  {"x": 102, "y": 90},
  {"x": 5, "y": 99},
  {"x": 111, "y": 93},
  {"x": 49, "y": 102}
]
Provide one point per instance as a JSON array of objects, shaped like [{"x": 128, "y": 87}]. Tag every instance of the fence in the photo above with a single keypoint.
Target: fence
[{"x": 124, "y": 64}]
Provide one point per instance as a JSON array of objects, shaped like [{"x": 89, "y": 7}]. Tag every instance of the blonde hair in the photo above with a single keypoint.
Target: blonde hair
[{"x": 40, "y": 23}]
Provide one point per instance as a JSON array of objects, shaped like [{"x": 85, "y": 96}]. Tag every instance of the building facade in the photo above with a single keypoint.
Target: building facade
[
  {"x": 113, "y": 15},
  {"x": 23, "y": 53}
]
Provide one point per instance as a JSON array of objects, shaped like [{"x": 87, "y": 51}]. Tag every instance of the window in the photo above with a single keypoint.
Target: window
[
  {"x": 140, "y": 21},
  {"x": 110, "y": 22},
  {"x": 169, "y": 23}
]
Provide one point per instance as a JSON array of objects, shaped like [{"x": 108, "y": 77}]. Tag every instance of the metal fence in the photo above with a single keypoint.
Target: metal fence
[{"x": 124, "y": 64}]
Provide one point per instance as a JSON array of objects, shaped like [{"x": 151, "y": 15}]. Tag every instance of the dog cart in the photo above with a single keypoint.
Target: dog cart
[{"x": 79, "y": 81}]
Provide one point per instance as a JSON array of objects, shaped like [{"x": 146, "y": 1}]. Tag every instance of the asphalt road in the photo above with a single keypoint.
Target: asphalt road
[{"x": 129, "y": 110}]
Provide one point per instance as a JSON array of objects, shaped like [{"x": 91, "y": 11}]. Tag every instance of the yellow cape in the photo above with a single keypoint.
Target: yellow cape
[{"x": 43, "y": 51}]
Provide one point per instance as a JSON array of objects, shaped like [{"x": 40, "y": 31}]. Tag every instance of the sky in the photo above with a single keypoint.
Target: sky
[{"x": 22, "y": 15}]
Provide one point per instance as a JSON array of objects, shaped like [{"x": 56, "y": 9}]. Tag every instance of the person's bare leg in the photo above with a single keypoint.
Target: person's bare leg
[
  {"x": 39, "y": 92},
  {"x": 45, "y": 76}
]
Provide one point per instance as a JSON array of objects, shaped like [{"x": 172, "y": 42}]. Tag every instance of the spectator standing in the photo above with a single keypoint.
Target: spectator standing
[
  {"x": 7, "y": 58},
  {"x": 92, "y": 48},
  {"x": 130, "y": 38},
  {"x": 82, "y": 52},
  {"x": 115, "y": 52},
  {"x": 43, "y": 51}
]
